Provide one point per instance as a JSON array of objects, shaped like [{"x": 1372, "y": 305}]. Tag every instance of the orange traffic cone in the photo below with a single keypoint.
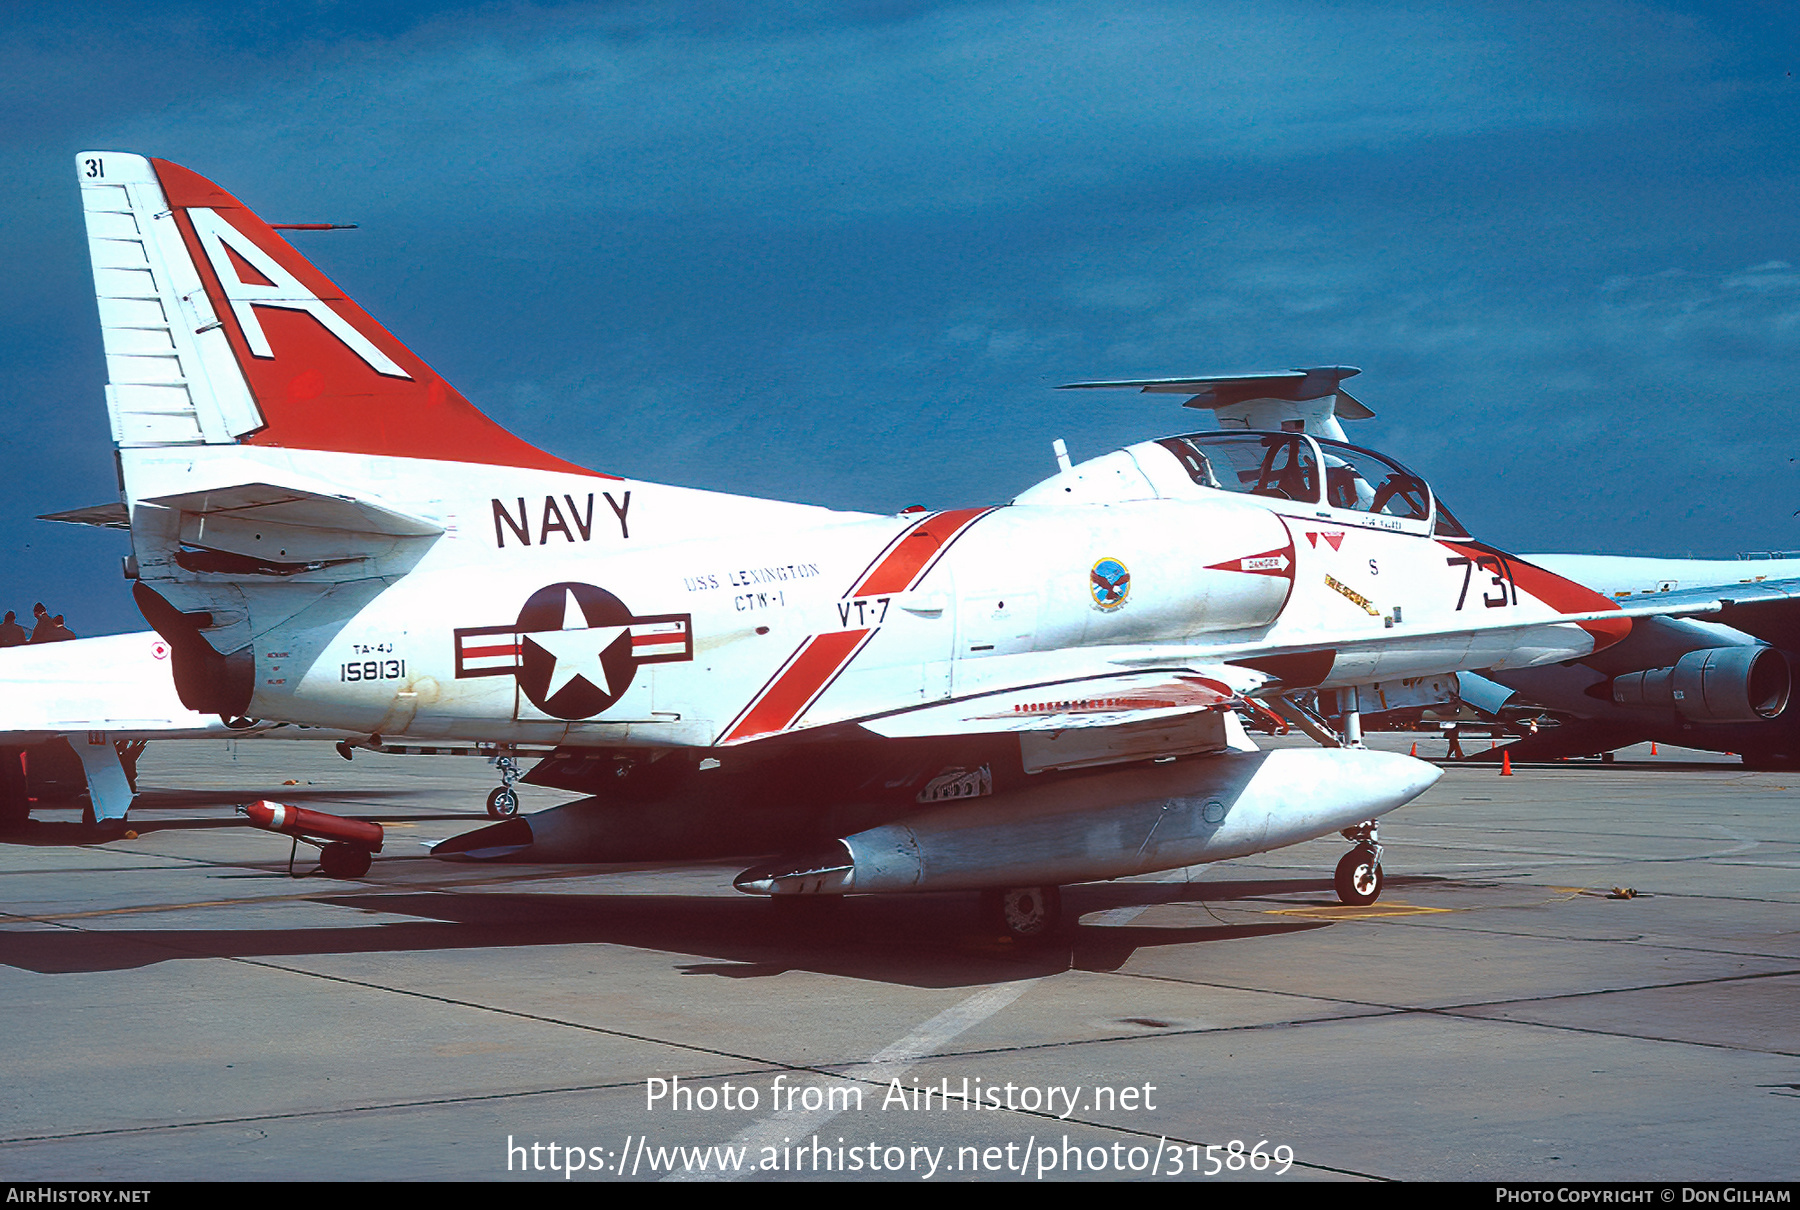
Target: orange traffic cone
[
  {"x": 1415, "y": 749},
  {"x": 1506, "y": 764},
  {"x": 1652, "y": 747}
]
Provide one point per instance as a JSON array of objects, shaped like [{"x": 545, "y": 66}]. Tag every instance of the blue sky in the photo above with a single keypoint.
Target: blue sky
[{"x": 842, "y": 254}]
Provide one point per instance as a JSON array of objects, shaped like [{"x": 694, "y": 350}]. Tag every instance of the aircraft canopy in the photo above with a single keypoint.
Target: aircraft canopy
[{"x": 1312, "y": 471}]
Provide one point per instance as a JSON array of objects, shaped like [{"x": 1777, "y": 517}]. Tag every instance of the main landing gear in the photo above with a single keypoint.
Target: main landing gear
[
  {"x": 1359, "y": 879},
  {"x": 1026, "y": 914},
  {"x": 503, "y": 800}
]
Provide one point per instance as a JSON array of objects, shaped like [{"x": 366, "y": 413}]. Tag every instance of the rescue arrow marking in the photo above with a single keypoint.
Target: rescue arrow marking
[{"x": 1353, "y": 596}]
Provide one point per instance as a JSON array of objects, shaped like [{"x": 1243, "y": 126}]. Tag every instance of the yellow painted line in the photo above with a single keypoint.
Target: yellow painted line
[{"x": 1345, "y": 911}]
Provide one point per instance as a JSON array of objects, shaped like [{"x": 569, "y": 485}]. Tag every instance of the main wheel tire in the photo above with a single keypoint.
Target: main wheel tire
[
  {"x": 503, "y": 802},
  {"x": 1359, "y": 878},
  {"x": 1029, "y": 913},
  {"x": 344, "y": 861}
]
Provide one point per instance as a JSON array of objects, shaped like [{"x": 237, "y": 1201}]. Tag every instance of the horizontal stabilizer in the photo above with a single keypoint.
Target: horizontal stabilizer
[
  {"x": 266, "y": 503},
  {"x": 104, "y": 516},
  {"x": 265, "y": 530},
  {"x": 1309, "y": 400},
  {"x": 1227, "y": 390}
]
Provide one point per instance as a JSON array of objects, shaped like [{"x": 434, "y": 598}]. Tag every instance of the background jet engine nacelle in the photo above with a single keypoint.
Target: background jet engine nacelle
[
  {"x": 1715, "y": 685},
  {"x": 1109, "y": 824}
]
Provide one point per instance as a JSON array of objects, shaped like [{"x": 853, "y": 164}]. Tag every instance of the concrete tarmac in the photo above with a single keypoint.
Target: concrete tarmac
[{"x": 177, "y": 1007}]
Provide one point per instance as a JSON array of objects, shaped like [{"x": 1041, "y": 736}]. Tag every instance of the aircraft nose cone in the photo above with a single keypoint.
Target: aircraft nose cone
[
  {"x": 1415, "y": 776},
  {"x": 1391, "y": 778}
]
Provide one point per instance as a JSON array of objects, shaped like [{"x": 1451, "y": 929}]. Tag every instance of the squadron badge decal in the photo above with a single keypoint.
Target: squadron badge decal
[
  {"x": 575, "y": 648},
  {"x": 1109, "y": 583}
]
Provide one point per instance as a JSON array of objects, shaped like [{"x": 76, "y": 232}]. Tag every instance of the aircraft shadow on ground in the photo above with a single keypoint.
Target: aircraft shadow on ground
[{"x": 937, "y": 940}]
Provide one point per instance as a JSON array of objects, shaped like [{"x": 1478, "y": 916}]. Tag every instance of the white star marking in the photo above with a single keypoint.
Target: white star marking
[{"x": 576, "y": 648}]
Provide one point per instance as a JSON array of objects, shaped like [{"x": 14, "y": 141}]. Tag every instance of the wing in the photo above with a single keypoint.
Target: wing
[
  {"x": 1770, "y": 610},
  {"x": 1743, "y": 592}
]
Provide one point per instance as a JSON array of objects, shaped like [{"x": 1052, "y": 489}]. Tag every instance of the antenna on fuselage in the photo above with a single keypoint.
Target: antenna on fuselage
[{"x": 1313, "y": 399}]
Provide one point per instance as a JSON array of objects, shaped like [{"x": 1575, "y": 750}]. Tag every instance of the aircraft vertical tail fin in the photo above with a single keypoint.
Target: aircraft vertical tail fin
[{"x": 218, "y": 332}]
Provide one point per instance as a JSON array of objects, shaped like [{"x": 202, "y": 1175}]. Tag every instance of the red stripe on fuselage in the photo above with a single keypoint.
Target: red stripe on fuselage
[
  {"x": 476, "y": 653},
  {"x": 906, "y": 563},
  {"x": 811, "y": 670}
]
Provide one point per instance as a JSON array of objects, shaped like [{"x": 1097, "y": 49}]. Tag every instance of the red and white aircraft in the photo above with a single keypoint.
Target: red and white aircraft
[{"x": 1007, "y": 698}]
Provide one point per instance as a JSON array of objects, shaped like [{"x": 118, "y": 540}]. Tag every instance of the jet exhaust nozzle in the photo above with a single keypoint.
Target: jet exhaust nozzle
[{"x": 826, "y": 872}]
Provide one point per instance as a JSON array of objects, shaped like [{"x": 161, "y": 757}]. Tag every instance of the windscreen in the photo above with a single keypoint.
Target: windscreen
[{"x": 1277, "y": 465}]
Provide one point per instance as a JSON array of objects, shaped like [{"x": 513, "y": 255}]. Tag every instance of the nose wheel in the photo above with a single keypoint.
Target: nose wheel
[
  {"x": 1359, "y": 880},
  {"x": 503, "y": 800}
]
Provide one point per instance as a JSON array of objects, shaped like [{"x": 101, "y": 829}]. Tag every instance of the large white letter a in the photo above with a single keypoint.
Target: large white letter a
[{"x": 286, "y": 292}]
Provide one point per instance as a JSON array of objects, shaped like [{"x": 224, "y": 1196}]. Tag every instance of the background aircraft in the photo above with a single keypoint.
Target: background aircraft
[
  {"x": 105, "y": 698},
  {"x": 1719, "y": 680}
]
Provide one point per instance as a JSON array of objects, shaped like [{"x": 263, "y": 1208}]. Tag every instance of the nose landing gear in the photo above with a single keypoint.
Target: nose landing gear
[
  {"x": 1359, "y": 879},
  {"x": 503, "y": 800}
]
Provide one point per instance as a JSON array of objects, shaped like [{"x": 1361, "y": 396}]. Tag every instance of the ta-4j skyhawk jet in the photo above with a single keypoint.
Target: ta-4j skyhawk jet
[{"x": 1001, "y": 698}]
